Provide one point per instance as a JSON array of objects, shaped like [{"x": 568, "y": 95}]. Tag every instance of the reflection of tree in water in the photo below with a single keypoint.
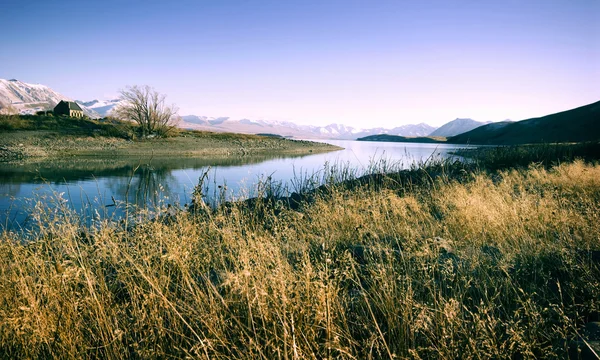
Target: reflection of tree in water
[
  {"x": 10, "y": 189},
  {"x": 145, "y": 186},
  {"x": 136, "y": 181},
  {"x": 9, "y": 207},
  {"x": 70, "y": 170}
]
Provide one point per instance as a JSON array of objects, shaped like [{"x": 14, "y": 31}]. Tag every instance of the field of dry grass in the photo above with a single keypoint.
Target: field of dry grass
[{"x": 494, "y": 265}]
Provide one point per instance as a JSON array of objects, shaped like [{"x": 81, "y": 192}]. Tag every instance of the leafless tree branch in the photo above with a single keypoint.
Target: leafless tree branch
[{"x": 146, "y": 107}]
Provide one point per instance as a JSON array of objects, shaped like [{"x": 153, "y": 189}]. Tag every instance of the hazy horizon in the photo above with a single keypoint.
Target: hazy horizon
[{"x": 363, "y": 64}]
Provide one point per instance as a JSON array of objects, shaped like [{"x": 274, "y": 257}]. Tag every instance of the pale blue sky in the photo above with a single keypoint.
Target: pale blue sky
[{"x": 361, "y": 63}]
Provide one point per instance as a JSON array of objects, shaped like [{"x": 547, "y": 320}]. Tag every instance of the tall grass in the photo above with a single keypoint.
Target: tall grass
[{"x": 441, "y": 262}]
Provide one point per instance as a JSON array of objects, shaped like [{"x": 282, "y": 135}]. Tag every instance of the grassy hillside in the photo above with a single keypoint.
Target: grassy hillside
[
  {"x": 396, "y": 138},
  {"x": 444, "y": 262},
  {"x": 576, "y": 125}
]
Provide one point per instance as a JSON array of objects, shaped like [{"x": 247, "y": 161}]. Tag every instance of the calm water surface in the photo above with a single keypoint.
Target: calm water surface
[{"x": 92, "y": 186}]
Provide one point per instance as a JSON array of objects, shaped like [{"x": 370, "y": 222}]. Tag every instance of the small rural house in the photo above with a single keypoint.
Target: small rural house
[{"x": 68, "y": 108}]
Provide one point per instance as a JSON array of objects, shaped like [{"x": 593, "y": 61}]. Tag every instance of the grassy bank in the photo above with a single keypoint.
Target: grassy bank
[
  {"x": 25, "y": 137},
  {"x": 503, "y": 157},
  {"x": 456, "y": 262}
]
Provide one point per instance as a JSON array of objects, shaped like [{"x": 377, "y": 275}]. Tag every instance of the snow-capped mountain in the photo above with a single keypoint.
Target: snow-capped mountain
[
  {"x": 289, "y": 129},
  {"x": 28, "y": 98},
  {"x": 102, "y": 107},
  {"x": 17, "y": 92}
]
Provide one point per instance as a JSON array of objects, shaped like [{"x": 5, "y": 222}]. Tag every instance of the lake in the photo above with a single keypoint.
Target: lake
[{"x": 93, "y": 186}]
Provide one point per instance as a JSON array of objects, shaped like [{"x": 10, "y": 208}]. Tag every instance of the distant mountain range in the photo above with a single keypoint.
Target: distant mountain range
[
  {"x": 289, "y": 129},
  {"x": 29, "y": 98},
  {"x": 282, "y": 128},
  {"x": 457, "y": 126},
  {"x": 575, "y": 125}
]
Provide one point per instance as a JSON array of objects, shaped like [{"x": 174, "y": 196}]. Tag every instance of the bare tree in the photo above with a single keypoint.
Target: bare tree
[{"x": 146, "y": 107}]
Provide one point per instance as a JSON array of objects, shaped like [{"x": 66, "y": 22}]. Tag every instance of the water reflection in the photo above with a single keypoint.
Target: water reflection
[
  {"x": 59, "y": 171},
  {"x": 104, "y": 187},
  {"x": 94, "y": 185},
  {"x": 10, "y": 189}
]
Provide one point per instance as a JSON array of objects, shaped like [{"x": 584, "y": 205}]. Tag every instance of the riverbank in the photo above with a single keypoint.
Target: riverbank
[
  {"x": 445, "y": 261},
  {"x": 46, "y": 137}
]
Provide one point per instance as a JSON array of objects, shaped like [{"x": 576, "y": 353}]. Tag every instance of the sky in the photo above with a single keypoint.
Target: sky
[{"x": 359, "y": 63}]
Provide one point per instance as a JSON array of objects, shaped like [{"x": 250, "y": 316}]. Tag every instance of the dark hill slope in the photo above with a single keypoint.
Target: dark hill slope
[
  {"x": 396, "y": 138},
  {"x": 576, "y": 125}
]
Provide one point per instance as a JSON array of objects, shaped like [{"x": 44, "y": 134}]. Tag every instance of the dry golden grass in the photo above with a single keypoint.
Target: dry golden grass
[{"x": 496, "y": 267}]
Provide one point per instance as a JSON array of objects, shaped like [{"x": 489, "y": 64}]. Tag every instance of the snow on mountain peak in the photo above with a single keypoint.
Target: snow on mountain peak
[
  {"x": 101, "y": 107},
  {"x": 30, "y": 98},
  {"x": 17, "y": 92}
]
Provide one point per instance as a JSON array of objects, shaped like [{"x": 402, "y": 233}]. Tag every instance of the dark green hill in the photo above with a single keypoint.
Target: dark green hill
[
  {"x": 576, "y": 125},
  {"x": 396, "y": 138}
]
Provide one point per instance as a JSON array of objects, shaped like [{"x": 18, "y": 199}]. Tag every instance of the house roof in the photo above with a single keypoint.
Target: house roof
[{"x": 72, "y": 105}]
